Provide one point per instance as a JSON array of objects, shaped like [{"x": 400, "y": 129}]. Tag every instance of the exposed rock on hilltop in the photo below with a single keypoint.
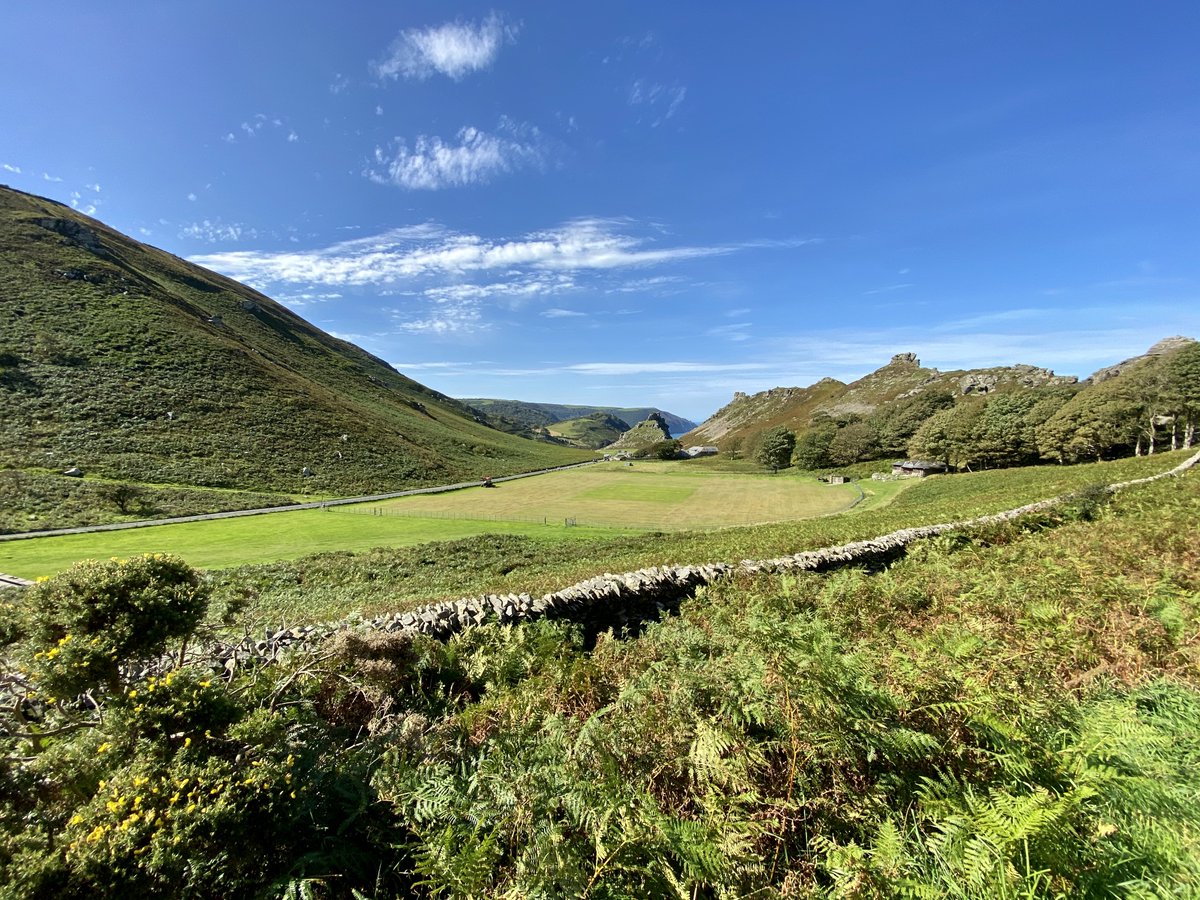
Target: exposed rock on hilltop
[
  {"x": 902, "y": 378},
  {"x": 652, "y": 431},
  {"x": 1166, "y": 345}
]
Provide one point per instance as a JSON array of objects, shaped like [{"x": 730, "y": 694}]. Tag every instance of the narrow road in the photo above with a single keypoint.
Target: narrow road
[{"x": 316, "y": 504}]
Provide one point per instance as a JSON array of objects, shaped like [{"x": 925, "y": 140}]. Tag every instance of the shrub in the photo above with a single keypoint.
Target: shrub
[{"x": 90, "y": 619}]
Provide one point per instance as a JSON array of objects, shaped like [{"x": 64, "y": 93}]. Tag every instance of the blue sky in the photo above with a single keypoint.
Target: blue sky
[{"x": 643, "y": 203}]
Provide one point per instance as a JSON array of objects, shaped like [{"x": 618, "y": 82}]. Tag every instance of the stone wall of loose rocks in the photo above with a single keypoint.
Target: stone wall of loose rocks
[{"x": 610, "y": 600}]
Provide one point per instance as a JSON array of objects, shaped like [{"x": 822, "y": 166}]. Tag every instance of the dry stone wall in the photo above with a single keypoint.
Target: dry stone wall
[{"x": 610, "y": 600}]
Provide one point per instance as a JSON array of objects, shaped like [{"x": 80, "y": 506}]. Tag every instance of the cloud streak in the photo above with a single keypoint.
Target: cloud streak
[
  {"x": 405, "y": 254},
  {"x": 472, "y": 157},
  {"x": 455, "y": 49}
]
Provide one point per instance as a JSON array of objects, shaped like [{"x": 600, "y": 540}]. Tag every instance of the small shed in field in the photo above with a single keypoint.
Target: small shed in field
[
  {"x": 838, "y": 479},
  {"x": 701, "y": 451},
  {"x": 918, "y": 468}
]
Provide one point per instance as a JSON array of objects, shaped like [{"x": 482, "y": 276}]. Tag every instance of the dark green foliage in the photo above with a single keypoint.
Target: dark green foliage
[
  {"x": 775, "y": 448},
  {"x": 852, "y": 443},
  {"x": 669, "y": 449},
  {"x": 895, "y": 423},
  {"x": 812, "y": 446},
  {"x": 86, "y": 622}
]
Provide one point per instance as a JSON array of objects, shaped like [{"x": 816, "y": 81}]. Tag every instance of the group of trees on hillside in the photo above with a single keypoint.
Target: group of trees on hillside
[{"x": 1154, "y": 404}]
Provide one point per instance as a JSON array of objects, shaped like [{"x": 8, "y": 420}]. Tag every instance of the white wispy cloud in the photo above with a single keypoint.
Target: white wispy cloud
[
  {"x": 216, "y": 231},
  {"x": 733, "y": 332},
  {"x": 414, "y": 252},
  {"x": 46, "y": 176},
  {"x": 887, "y": 289},
  {"x": 340, "y": 83},
  {"x": 663, "y": 100},
  {"x": 88, "y": 209},
  {"x": 473, "y": 157},
  {"x": 556, "y": 313},
  {"x": 258, "y": 124},
  {"x": 659, "y": 368},
  {"x": 455, "y": 49},
  {"x": 449, "y": 280},
  {"x": 192, "y": 197},
  {"x": 658, "y": 284},
  {"x": 8, "y": 167},
  {"x": 447, "y": 318}
]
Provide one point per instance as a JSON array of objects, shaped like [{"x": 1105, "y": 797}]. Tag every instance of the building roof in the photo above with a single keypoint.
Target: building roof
[{"x": 920, "y": 464}]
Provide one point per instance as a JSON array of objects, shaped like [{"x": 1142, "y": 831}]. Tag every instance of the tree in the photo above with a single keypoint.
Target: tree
[
  {"x": 949, "y": 436},
  {"x": 123, "y": 495},
  {"x": 1182, "y": 389},
  {"x": 1095, "y": 423},
  {"x": 812, "y": 447},
  {"x": 662, "y": 450},
  {"x": 852, "y": 443},
  {"x": 775, "y": 448},
  {"x": 1003, "y": 434},
  {"x": 91, "y": 620},
  {"x": 896, "y": 422}
]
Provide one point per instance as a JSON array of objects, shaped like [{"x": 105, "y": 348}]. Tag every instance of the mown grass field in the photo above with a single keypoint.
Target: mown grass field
[
  {"x": 256, "y": 539},
  {"x": 315, "y": 564},
  {"x": 654, "y": 495},
  {"x": 602, "y": 502}
]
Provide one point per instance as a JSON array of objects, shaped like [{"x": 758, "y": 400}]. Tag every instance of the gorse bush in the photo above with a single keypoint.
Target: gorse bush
[{"x": 87, "y": 621}]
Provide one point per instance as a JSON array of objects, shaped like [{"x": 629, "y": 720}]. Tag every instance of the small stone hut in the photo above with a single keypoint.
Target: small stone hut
[{"x": 918, "y": 468}]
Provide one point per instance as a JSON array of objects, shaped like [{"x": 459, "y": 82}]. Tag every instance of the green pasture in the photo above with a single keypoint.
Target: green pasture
[
  {"x": 665, "y": 496},
  {"x": 254, "y": 539},
  {"x": 600, "y": 501},
  {"x": 645, "y": 491}
]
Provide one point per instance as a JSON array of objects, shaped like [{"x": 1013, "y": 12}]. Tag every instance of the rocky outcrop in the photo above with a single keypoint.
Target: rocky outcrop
[
  {"x": 73, "y": 232},
  {"x": 1166, "y": 345},
  {"x": 645, "y": 434}
]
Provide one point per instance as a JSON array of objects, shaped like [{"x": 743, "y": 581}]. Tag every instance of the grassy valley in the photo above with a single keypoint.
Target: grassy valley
[
  {"x": 1007, "y": 711},
  {"x": 136, "y": 366}
]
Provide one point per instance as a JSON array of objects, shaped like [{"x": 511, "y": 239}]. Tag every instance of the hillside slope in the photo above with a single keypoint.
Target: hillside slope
[
  {"x": 593, "y": 431},
  {"x": 747, "y": 416},
  {"x": 543, "y": 414},
  {"x": 131, "y": 363}
]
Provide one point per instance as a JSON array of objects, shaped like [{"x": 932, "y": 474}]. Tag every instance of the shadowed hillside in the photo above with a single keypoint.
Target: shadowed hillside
[{"x": 131, "y": 363}]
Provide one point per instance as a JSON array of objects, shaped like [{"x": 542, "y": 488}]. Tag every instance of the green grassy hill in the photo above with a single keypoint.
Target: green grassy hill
[
  {"x": 594, "y": 431},
  {"x": 132, "y": 364},
  {"x": 543, "y": 414}
]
